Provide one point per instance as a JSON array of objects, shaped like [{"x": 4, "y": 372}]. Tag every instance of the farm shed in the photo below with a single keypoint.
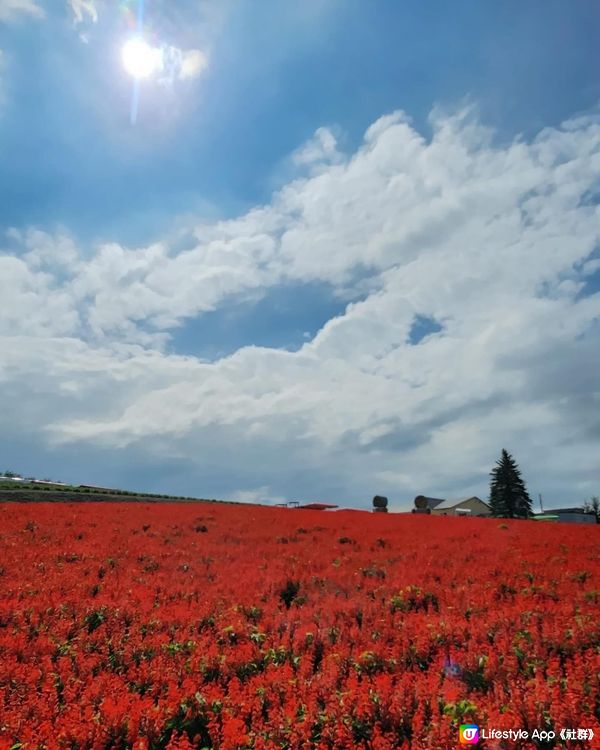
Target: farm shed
[{"x": 467, "y": 506}]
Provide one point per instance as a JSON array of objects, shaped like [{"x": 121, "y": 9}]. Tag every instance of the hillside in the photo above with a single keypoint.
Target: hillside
[{"x": 29, "y": 492}]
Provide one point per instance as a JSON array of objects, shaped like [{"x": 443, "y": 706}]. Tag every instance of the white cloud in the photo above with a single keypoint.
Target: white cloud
[
  {"x": 32, "y": 303},
  {"x": 44, "y": 250},
  {"x": 84, "y": 9},
  {"x": 320, "y": 150},
  {"x": 493, "y": 242},
  {"x": 262, "y": 495},
  {"x": 11, "y": 10}
]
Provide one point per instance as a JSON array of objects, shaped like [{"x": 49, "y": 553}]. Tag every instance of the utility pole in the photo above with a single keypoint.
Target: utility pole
[{"x": 541, "y": 506}]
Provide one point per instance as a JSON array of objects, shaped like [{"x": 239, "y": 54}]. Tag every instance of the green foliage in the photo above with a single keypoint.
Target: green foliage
[
  {"x": 94, "y": 619},
  {"x": 374, "y": 571},
  {"x": 191, "y": 719},
  {"x": 508, "y": 495},
  {"x": 252, "y": 613},
  {"x": 460, "y": 711},
  {"x": 413, "y": 599},
  {"x": 289, "y": 592},
  {"x": 475, "y": 678}
]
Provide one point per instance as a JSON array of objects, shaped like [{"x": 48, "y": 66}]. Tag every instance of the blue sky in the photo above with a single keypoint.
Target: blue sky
[{"x": 334, "y": 255}]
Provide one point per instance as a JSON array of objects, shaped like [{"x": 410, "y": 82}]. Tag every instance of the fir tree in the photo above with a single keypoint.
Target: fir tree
[{"x": 508, "y": 495}]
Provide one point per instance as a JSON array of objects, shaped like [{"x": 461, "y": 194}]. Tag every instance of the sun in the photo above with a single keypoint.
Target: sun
[{"x": 139, "y": 59}]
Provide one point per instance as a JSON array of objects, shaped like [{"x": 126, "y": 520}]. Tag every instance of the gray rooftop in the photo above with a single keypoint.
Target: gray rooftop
[{"x": 449, "y": 504}]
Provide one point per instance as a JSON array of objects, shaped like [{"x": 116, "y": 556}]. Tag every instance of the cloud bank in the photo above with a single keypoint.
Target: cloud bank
[
  {"x": 496, "y": 243},
  {"x": 12, "y": 10}
]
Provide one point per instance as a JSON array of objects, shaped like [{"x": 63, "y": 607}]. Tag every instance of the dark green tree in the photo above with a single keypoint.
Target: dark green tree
[{"x": 508, "y": 495}]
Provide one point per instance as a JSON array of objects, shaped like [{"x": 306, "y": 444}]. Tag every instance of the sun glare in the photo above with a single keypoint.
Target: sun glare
[{"x": 139, "y": 59}]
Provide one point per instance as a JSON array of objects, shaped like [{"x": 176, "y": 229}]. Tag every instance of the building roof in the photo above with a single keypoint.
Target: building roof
[
  {"x": 317, "y": 506},
  {"x": 450, "y": 504},
  {"x": 429, "y": 502}
]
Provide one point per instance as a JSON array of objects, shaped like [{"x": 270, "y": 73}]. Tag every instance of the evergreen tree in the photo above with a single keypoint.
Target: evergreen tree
[{"x": 508, "y": 495}]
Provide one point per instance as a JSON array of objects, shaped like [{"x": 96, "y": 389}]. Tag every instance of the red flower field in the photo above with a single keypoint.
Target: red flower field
[{"x": 222, "y": 626}]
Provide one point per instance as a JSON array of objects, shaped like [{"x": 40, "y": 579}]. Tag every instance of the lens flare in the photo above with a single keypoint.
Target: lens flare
[{"x": 140, "y": 60}]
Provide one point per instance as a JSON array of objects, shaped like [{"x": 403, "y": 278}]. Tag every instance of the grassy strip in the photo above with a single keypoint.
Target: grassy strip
[{"x": 58, "y": 493}]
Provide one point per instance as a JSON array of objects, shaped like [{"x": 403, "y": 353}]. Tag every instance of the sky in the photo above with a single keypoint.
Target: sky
[{"x": 339, "y": 248}]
